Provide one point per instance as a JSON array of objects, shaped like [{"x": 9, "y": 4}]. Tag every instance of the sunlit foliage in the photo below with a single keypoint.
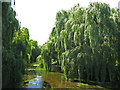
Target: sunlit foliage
[
  {"x": 85, "y": 43},
  {"x": 18, "y": 51}
]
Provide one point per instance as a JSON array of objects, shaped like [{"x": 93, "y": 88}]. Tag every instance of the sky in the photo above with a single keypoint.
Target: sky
[{"x": 39, "y": 15}]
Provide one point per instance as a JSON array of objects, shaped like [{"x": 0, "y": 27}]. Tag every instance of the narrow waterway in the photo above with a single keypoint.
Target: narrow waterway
[
  {"x": 37, "y": 78},
  {"x": 43, "y": 79},
  {"x": 32, "y": 78},
  {"x": 36, "y": 83}
]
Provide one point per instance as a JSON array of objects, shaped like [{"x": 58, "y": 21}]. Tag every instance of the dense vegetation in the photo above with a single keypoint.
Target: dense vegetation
[
  {"x": 18, "y": 51},
  {"x": 85, "y": 44}
]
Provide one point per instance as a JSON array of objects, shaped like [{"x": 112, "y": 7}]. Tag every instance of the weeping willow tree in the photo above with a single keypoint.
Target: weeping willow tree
[
  {"x": 87, "y": 43},
  {"x": 103, "y": 40},
  {"x": 17, "y": 49},
  {"x": 12, "y": 61},
  {"x": 23, "y": 44}
]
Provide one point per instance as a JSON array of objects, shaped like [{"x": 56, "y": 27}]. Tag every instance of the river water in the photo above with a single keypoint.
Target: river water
[
  {"x": 36, "y": 83},
  {"x": 44, "y": 79}
]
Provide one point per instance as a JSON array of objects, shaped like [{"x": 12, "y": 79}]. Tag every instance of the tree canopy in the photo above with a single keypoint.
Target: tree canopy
[
  {"x": 17, "y": 49},
  {"x": 85, "y": 43}
]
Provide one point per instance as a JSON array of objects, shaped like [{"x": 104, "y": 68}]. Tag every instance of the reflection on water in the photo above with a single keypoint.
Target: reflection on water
[
  {"x": 32, "y": 79},
  {"x": 45, "y": 79},
  {"x": 50, "y": 79},
  {"x": 36, "y": 83}
]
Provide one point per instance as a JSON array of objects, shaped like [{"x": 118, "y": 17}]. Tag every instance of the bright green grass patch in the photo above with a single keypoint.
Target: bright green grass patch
[
  {"x": 82, "y": 85},
  {"x": 29, "y": 80},
  {"x": 90, "y": 86},
  {"x": 35, "y": 69},
  {"x": 30, "y": 69}
]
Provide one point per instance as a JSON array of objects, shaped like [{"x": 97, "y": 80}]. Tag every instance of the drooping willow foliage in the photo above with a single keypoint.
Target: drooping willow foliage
[
  {"x": 85, "y": 43},
  {"x": 17, "y": 49}
]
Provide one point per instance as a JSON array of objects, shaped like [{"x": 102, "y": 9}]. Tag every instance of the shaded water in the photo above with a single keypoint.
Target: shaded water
[{"x": 36, "y": 78}]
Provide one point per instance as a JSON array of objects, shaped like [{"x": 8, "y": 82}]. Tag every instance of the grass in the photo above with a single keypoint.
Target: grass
[
  {"x": 35, "y": 69},
  {"x": 82, "y": 85},
  {"x": 90, "y": 86}
]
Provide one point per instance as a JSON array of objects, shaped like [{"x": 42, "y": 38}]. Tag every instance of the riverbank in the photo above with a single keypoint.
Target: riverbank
[{"x": 53, "y": 79}]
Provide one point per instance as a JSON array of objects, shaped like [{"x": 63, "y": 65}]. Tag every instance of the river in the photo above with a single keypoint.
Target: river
[{"x": 45, "y": 79}]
